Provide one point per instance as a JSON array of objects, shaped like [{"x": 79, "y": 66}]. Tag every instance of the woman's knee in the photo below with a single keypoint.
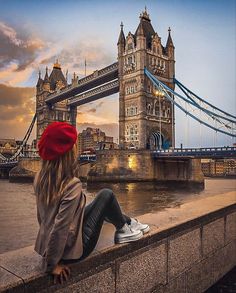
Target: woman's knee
[{"x": 106, "y": 194}]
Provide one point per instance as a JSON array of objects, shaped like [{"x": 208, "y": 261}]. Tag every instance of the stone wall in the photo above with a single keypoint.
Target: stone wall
[
  {"x": 27, "y": 168},
  {"x": 187, "y": 250},
  {"x": 135, "y": 165}
]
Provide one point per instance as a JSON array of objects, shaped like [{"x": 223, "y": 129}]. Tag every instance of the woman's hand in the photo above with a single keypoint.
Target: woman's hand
[{"x": 60, "y": 272}]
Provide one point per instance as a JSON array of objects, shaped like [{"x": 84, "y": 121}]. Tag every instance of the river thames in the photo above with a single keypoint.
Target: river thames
[{"x": 18, "y": 223}]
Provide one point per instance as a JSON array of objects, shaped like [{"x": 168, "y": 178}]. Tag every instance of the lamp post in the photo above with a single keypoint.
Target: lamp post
[{"x": 160, "y": 95}]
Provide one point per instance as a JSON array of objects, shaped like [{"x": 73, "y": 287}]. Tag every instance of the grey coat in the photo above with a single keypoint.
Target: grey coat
[{"x": 60, "y": 231}]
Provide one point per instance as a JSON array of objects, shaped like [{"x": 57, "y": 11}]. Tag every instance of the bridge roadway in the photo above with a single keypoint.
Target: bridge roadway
[
  {"x": 96, "y": 93},
  {"x": 211, "y": 153},
  {"x": 97, "y": 78}
]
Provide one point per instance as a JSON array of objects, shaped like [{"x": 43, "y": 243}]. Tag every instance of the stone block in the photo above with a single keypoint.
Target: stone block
[
  {"x": 142, "y": 270},
  {"x": 176, "y": 285},
  {"x": 102, "y": 282},
  {"x": 211, "y": 269},
  {"x": 184, "y": 251},
  {"x": 213, "y": 236},
  {"x": 230, "y": 229},
  {"x": 200, "y": 277},
  {"x": 229, "y": 256},
  {"x": 10, "y": 282}
]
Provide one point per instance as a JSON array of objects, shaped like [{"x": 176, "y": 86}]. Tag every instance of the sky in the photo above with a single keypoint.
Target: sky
[{"x": 33, "y": 34}]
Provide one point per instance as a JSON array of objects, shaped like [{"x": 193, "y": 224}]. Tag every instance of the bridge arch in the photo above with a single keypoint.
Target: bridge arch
[{"x": 158, "y": 140}]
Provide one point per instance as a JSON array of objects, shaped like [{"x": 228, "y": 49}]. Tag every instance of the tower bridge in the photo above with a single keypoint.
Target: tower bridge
[
  {"x": 144, "y": 77},
  {"x": 139, "y": 109}
]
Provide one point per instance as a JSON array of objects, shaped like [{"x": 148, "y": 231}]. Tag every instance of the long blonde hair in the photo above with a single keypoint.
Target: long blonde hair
[{"x": 55, "y": 174}]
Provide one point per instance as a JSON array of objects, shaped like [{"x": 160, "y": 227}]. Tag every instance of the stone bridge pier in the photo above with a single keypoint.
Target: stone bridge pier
[{"x": 139, "y": 165}]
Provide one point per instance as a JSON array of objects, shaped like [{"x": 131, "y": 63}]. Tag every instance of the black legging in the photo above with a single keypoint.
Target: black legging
[{"x": 104, "y": 207}]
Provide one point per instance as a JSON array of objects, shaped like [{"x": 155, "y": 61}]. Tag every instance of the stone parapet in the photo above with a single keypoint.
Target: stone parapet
[{"x": 187, "y": 249}]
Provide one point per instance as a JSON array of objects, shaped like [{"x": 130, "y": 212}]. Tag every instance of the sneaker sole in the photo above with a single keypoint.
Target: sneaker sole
[
  {"x": 129, "y": 239},
  {"x": 147, "y": 229}
]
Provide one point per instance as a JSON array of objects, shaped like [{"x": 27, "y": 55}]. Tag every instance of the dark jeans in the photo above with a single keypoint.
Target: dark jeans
[{"x": 104, "y": 207}]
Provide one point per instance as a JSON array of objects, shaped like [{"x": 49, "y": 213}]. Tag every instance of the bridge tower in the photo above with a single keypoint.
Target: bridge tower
[
  {"x": 57, "y": 112},
  {"x": 146, "y": 120}
]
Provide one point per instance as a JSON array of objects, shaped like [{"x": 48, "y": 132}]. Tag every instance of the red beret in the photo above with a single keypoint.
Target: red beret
[{"x": 57, "y": 139}]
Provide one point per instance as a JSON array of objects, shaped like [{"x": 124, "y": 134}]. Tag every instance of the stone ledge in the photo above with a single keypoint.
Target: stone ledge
[{"x": 110, "y": 261}]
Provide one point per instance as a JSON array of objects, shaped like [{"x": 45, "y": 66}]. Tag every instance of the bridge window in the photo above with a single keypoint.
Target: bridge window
[
  {"x": 130, "y": 60},
  {"x": 130, "y": 46},
  {"x": 60, "y": 116}
]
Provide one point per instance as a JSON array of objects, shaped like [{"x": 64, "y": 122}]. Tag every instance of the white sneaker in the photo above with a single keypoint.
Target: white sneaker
[
  {"x": 126, "y": 234},
  {"x": 136, "y": 225}
]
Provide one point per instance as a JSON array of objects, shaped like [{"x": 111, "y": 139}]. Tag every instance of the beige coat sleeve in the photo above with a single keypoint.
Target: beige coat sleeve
[{"x": 59, "y": 232}]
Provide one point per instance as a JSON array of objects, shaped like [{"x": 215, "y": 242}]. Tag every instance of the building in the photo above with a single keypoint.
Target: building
[
  {"x": 146, "y": 118},
  {"x": 58, "y": 111},
  {"x": 8, "y": 147},
  {"x": 95, "y": 139},
  {"x": 219, "y": 167}
]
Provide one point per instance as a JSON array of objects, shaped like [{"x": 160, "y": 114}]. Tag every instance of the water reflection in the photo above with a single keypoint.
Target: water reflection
[
  {"x": 139, "y": 198},
  {"x": 18, "y": 221}
]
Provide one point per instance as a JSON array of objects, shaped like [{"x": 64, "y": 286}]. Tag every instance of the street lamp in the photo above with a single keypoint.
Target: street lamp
[{"x": 160, "y": 95}]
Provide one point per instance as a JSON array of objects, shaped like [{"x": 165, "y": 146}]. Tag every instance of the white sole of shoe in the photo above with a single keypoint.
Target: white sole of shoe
[
  {"x": 147, "y": 229},
  {"x": 129, "y": 239}
]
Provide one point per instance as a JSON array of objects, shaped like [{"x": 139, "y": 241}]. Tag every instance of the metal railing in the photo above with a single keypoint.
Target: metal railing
[{"x": 198, "y": 152}]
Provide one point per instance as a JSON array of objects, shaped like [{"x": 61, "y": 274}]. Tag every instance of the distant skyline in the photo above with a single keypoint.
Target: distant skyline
[{"x": 33, "y": 34}]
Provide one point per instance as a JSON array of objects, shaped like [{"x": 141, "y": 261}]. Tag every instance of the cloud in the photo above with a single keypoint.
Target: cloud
[
  {"x": 17, "y": 107},
  {"x": 15, "y": 96},
  {"x": 17, "y": 49},
  {"x": 72, "y": 57}
]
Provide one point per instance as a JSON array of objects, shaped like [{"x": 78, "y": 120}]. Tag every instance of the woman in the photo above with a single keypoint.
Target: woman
[{"x": 69, "y": 230}]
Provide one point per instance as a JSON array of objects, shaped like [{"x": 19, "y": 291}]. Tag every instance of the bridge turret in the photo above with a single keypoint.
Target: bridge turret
[
  {"x": 58, "y": 111},
  {"x": 39, "y": 83},
  {"x": 170, "y": 50},
  {"x": 121, "y": 40},
  {"x": 46, "y": 82},
  {"x": 170, "y": 45},
  {"x": 75, "y": 79}
]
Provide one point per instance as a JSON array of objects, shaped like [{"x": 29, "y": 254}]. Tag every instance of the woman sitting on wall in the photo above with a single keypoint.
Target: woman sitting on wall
[{"x": 69, "y": 230}]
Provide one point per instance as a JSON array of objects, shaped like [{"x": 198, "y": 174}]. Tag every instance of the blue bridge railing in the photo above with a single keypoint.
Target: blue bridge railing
[{"x": 211, "y": 152}]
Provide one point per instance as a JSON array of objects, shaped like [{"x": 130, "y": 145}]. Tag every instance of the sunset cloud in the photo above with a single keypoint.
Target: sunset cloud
[
  {"x": 72, "y": 57},
  {"x": 17, "y": 107},
  {"x": 16, "y": 49}
]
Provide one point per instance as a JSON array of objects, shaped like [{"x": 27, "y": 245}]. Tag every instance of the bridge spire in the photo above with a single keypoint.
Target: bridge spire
[
  {"x": 169, "y": 42},
  {"x": 40, "y": 81},
  {"x": 46, "y": 78},
  {"x": 57, "y": 64},
  {"x": 121, "y": 40}
]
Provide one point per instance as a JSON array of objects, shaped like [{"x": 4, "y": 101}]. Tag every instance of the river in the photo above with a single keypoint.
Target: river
[{"x": 18, "y": 223}]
